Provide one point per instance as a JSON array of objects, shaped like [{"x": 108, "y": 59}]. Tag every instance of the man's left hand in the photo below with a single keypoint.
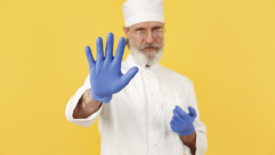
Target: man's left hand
[{"x": 181, "y": 122}]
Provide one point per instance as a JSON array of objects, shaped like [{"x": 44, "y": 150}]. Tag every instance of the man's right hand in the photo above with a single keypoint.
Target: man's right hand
[{"x": 106, "y": 77}]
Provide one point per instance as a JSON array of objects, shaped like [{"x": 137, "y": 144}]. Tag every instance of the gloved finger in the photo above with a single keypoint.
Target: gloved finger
[
  {"x": 176, "y": 114},
  {"x": 126, "y": 78},
  {"x": 177, "y": 127},
  {"x": 174, "y": 126},
  {"x": 89, "y": 57},
  {"x": 192, "y": 112},
  {"x": 119, "y": 51},
  {"x": 183, "y": 115},
  {"x": 178, "y": 118},
  {"x": 176, "y": 121},
  {"x": 180, "y": 112},
  {"x": 99, "y": 50},
  {"x": 109, "y": 48}
]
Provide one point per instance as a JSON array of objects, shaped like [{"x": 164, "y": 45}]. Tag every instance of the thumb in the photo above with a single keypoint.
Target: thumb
[
  {"x": 126, "y": 78},
  {"x": 192, "y": 112}
]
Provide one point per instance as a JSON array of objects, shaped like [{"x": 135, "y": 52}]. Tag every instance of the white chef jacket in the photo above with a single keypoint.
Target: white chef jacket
[{"x": 137, "y": 119}]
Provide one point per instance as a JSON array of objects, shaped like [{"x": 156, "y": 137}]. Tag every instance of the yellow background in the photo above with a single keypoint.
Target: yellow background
[{"x": 226, "y": 47}]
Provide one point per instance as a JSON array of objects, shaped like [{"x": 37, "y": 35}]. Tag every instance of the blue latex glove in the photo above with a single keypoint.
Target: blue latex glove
[
  {"x": 105, "y": 73},
  {"x": 181, "y": 122}
]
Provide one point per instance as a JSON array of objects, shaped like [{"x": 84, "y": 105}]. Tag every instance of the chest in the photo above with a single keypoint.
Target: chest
[{"x": 154, "y": 92}]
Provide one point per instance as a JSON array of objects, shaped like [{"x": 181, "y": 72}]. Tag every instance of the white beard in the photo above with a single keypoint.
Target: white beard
[{"x": 148, "y": 58}]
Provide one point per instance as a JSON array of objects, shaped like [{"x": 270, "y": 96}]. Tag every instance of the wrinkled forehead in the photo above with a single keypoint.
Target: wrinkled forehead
[{"x": 147, "y": 25}]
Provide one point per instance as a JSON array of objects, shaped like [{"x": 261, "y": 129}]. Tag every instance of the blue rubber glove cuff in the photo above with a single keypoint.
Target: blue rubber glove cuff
[
  {"x": 189, "y": 131},
  {"x": 103, "y": 99}
]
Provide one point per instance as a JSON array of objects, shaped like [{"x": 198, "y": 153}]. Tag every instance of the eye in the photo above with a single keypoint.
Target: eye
[
  {"x": 140, "y": 30},
  {"x": 157, "y": 29}
]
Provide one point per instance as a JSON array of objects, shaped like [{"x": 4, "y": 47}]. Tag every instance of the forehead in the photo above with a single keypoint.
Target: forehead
[{"x": 147, "y": 25}]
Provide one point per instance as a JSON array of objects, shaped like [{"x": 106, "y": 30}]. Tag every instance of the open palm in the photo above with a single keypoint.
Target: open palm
[{"x": 106, "y": 77}]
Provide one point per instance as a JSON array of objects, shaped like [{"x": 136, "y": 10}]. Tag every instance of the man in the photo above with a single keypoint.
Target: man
[{"x": 143, "y": 108}]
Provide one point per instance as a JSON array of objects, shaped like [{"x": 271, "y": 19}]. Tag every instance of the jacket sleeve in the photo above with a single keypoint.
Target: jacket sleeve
[
  {"x": 85, "y": 122},
  {"x": 200, "y": 128}
]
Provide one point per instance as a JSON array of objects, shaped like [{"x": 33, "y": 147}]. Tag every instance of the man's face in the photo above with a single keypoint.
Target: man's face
[{"x": 146, "y": 41}]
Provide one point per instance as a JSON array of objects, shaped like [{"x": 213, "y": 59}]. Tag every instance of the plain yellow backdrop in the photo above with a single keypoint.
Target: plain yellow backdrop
[{"x": 226, "y": 47}]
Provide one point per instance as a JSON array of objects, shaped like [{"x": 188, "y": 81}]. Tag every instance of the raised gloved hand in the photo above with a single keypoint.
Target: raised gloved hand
[
  {"x": 105, "y": 73},
  {"x": 181, "y": 122}
]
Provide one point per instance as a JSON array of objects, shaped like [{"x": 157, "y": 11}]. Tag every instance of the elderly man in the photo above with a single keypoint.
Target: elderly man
[{"x": 143, "y": 108}]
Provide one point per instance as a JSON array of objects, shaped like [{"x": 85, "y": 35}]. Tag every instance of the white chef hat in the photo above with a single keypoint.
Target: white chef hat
[{"x": 137, "y": 11}]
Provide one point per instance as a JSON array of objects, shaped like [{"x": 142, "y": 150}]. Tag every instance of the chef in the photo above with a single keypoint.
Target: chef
[{"x": 142, "y": 107}]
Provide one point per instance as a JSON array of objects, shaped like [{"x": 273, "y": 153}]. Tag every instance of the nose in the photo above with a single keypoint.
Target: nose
[{"x": 149, "y": 39}]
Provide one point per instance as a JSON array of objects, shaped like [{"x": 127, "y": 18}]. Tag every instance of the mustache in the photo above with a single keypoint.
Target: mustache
[{"x": 154, "y": 45}]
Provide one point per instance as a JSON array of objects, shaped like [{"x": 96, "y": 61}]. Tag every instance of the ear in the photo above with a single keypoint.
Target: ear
[{"x": 126, "y": 30}]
